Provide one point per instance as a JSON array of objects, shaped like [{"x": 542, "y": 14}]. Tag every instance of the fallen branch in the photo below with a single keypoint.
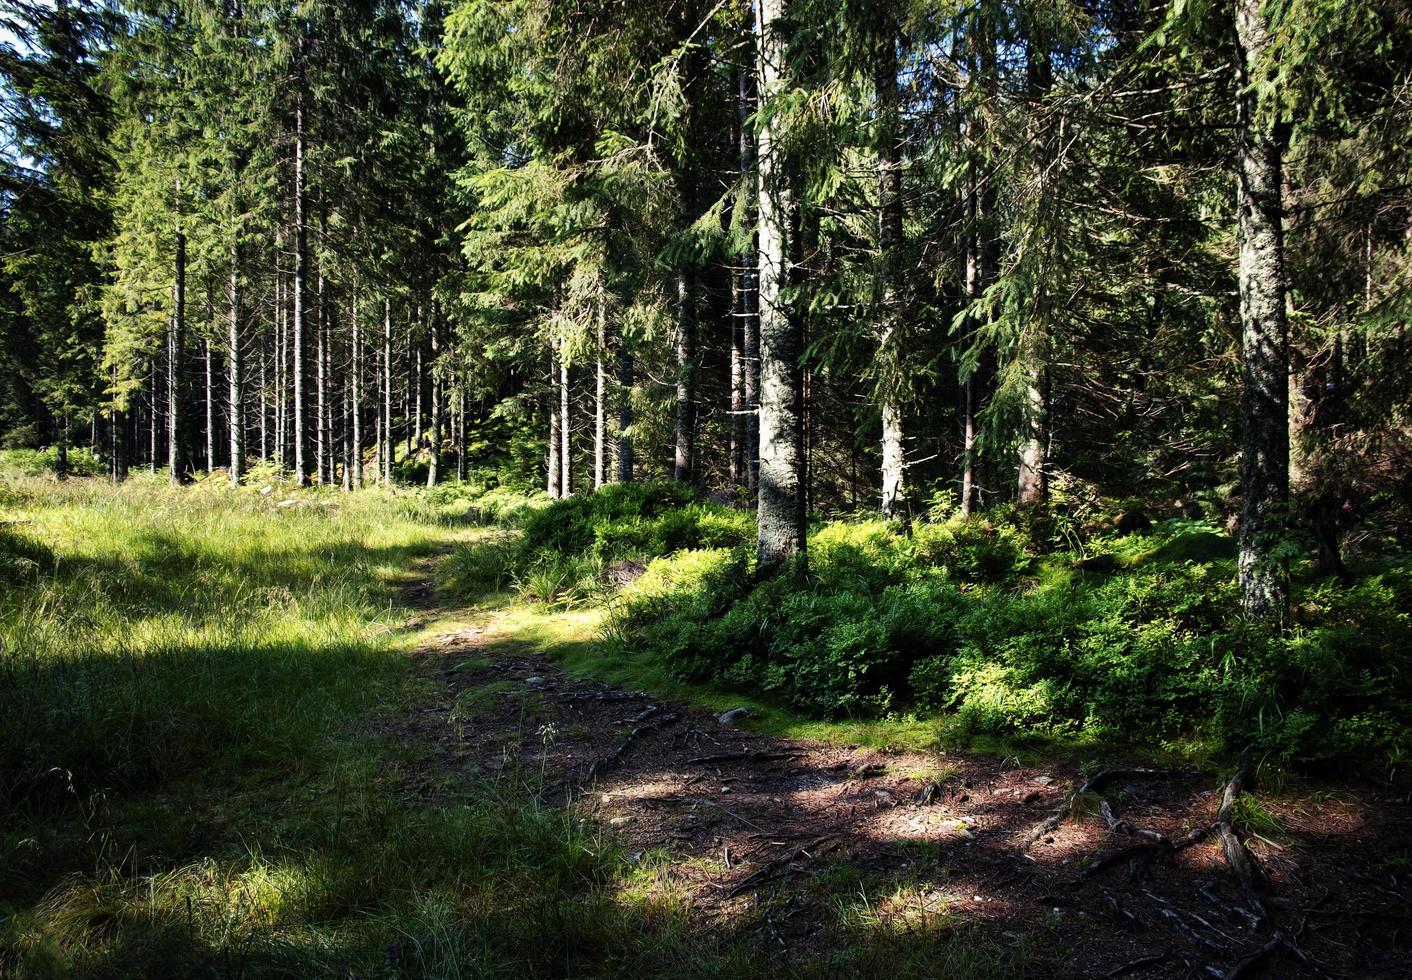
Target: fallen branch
[
  {"x": 783, "y": 863},
  {"x": 1138, "y": 964},
  {"x": 1092, "y": 785},
  {"x": 742, "y": 757}
]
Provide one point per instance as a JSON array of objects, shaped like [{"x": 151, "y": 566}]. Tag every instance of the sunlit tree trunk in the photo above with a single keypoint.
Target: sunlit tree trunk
[
  {"x": 600, "y": 408},
  {"x": 1264, "y": 450},
  {"x": 566, "y": 485},
  {"x": 355, "y": 381},
  {"x": 889, "y": 241},
  {"x": 235, "y": 374},
  {"x": 461, "y": 430},
  {"x": 299, "y": 330},
  {"x": 625, "y": 384},
  {"x": 781, "y": 531},
  {"x": 324, "y": 452},
  {"x": 210, "y": 410},
  {"x": 434, "y": 459},
  {"x": 554, "y": 483},
  {"x": 385, "y": 439},
  {"x": 176, "y": 371}
]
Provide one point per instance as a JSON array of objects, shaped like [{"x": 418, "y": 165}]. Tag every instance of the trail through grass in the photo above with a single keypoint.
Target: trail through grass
[{"x": 196, "y": 775}]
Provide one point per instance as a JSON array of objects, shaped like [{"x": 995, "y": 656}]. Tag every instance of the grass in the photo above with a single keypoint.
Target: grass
[{"x": 192, "y": 782}]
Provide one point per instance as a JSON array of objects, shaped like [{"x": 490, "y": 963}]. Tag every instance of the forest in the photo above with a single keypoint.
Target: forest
[{"x": 688, "y": 488}]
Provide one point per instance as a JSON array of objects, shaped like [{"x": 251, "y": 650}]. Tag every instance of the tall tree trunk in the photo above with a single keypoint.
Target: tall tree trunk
[
  {"x": 600, "y": 409},
  {"x": 566, "y": 483},
  {"x": 889, "y": 241},
  {"x": 461, "y": 430},
  {"x": 235, "y": 375},
  {"x": 176, "y": 372},
  {"x": 152, "y": 418},
  {"x": 750, "y": 280},
  {"x": 410, "y": 383},
  {"x": 625, "y": 385},
  {"x": 299, "y": 336},
  {"x": 781, "y": 522},
  {"x": 385, "y": 441},
  {"x": 355, "y": 381},
  {"x": 554, "y": 483},
  {"x": 346, "y": 430},
  {"x": 281, "y": 364},
  {"x": 210, "y": 412},
  {"x": 417, "y": 389},
  {"x": 740, "y": 287},
  {"x": 1264, "y": 449},
  {"x": 264, "y": 408},
  {"x": 322, "y": 452},
  {"x": 61, "y": 462},
  {"x": 1032, "y": 481},
  {"x": 686, "y": 375},
  {"x": 736, "y": 476},
  {"x": 434, "y": 459}
]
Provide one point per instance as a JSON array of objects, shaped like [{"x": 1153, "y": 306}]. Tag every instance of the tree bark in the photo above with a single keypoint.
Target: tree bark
[
  {"x": 235, "y": 368},
  {"x": 686, "y": 376},
  {"x": 889, "y": 241},
  {"x": 781, "y": 516},
  {"x": 176, "y": 373},
  {"x": 355, "y": 381},
  {"x": 600, "y": 409},
  {"x": 1032, "y": 480},
  {"x": 299, "y": 331},
  {"x": 625, "y": 384},
  {"x": 324, "y": 451},
  {"x": 210, "y": 412},
  {"x": 461, "y": 430},
  {"x": 434, "y": 460},
  {"x": 553, "y": 482},
  {"x": 385, "y": 440},
  {"x": 566, "y": 485},
  {"x": 1264, "y": 451},
  {"x": 750, "y": 282}
]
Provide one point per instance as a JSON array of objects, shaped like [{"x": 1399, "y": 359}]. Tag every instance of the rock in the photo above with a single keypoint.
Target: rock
[
  {"x": 1043, "y": 780},
  {"x": 725, "y": 789},
  {"x": 734, "y": 715},
  {"x": 267, "y": 490},
  {"x": 287, "y": 503},
  {"x": 535, "y": 681}
]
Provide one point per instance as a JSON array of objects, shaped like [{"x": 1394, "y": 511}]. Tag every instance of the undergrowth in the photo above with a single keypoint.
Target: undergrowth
[{"x": 1020, "y": 624}]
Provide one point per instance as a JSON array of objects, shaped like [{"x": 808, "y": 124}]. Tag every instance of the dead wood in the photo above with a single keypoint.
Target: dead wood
[
  {"x": 743, "y": 757},
  {"x": 784, "y": 863},
  {"x": 1138, "y": 964}
]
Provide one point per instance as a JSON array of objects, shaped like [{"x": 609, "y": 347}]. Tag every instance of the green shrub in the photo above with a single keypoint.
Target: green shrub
[
  {"x": 947, "y": 622},
  {"x": 974, "y": 549}
]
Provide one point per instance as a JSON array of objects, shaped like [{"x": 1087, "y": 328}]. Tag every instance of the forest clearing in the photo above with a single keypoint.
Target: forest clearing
[
  {"x": 673, "y": 488},
  {"x": 280, "y": 735}
]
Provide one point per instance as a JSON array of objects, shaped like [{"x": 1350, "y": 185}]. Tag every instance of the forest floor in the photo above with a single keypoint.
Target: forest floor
[{"x": 791, "y": 839}]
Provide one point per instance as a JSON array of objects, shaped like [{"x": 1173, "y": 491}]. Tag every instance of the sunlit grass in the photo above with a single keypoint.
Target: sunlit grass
[{"x": 192, "y": 783}]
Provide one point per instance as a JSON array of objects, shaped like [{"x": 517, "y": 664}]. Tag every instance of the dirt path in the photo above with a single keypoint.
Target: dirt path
[{"x": 793, "y": 833}]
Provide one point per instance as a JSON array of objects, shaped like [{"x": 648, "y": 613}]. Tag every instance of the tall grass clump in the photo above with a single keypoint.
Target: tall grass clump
[{"x": 146, "y": 632}]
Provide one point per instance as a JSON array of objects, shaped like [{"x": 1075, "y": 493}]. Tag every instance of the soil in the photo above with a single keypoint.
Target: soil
[{"x": 746, "y": 822}]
